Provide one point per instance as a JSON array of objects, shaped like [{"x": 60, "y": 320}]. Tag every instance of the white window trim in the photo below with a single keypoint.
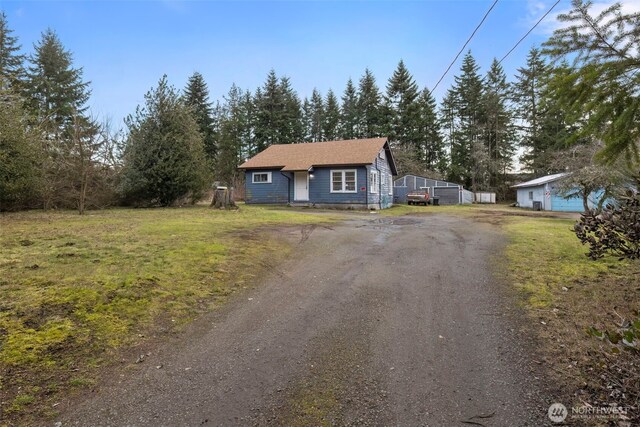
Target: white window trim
[
  {"x": 344, "y": 183},
  {"x": 253, "y": 178},
  {"x": 373, "y": 185},
  {"x": 390, "y": 183}
]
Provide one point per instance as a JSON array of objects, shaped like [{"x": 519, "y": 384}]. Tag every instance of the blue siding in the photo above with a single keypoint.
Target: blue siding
[
  {"x": 274, "y": 192},
  {"x": 320, "y": 187},
  {"x": 560, "y": 204},
  {"x": 281, "y": 189}
]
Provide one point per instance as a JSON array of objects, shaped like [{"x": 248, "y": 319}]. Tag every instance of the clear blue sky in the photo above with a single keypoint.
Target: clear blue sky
[{"x": 125, "y": 47}]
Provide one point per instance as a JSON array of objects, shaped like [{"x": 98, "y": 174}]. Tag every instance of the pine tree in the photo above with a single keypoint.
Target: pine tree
[
  {"x": 468, "y": 164},
  {"x": 316, "y": 116},
  {"x": 429, "y": 142},
  {"x": 290, "y": 130},
  {"x": 402, "y": 110},
  {"x": 57, "y": 98},
  {"x": 197, "y": 97},
  {"x": 55, "y": 90},
  {"x": 349, "y": 117},
  {"x": 20, "y": 176},
  {"x": 306, "y": 119},
  {"x": 331, "y": 125},
  {"x": 11, "y": 62},
  {"x": 269, "y": 111},
  {"x": 602, "y": 84},
  {"x": 164, "y": 158},
  {"x": 499, "y": 127},
  {"x": 278, "y": 113},
  {"x": 232, "y": 141},
  {"x": 528, "y": 91},
  {"x": 370, "y": 113}
]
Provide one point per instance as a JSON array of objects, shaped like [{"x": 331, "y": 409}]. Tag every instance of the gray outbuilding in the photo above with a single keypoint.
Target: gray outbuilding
[{"x": 448, "y": 193}]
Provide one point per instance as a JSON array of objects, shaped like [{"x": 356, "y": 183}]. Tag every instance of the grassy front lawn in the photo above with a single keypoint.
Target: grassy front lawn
[
  {"x": 75, "y": 289},
  {"x": 565, "y": 295}
]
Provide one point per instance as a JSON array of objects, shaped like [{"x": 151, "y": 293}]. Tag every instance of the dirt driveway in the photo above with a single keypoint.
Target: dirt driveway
[{"x": 376, "y": 321}]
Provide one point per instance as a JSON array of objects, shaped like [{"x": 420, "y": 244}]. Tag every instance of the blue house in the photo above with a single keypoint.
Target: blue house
[
  {"x": 542, "y": 194},
  {"x": 350, "y": 174}
]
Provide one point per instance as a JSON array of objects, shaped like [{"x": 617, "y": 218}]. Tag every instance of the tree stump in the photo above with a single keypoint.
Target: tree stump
[{"x": 223, "y": 198}]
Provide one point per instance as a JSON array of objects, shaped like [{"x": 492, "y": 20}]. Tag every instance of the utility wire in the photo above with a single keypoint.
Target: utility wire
[
  {"x": 529, "y": 32},
  {"x": 465, "y": 45}
]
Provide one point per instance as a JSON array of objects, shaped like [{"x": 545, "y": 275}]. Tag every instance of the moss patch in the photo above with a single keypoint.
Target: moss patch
[{"x": 73, "y": 290}]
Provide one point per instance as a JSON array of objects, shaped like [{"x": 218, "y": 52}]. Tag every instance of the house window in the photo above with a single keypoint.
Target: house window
[
  {"x": 530, "y": 195},
  {"x": 343, "y": 181},
  {"x": 390, "y": 184},
  {"x": 261, "y": 178},
  {"x": 373, "y": 179}
]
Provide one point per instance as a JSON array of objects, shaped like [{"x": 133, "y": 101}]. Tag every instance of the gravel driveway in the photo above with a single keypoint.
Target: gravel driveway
[{"x": 375, "y": 321}]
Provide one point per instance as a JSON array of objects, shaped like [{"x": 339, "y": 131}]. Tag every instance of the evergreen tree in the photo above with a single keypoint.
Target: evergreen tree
[
  {"x": 164, "y": 158},
  {"x": 349, "y": 119},
  {"x": 291, "y": 128},
  {"x": 20, "y": 176},
  {"x": 429, "y": 143},
  {"x": 55, "y": 90},
  {"x": 316, "y": 116},
  {"x": 269, "y": 112},
  {"x": 331, "y": 125},
  {"x": 57, "y": 96},
  {"x": 528, "y": 92},
  {"x": 601, "y": 87},
  {"x": 233, "y": 133},
  {"x": 11, "y": 62},
  {"x": 402, "y": 110},
  {"x": 468, "y": 156},
  {"x": 197, "y": 97},
  {"x": 370, "y": 113},
  {"x": 499, "y": 127},
  {"x": 278, "y": 113},
  {"x": 306, "y": 119}
]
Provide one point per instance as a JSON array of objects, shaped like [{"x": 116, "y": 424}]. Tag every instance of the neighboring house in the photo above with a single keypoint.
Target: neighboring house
[
  {"x": 544, "y": 194},
  {"x": 449, "y": 193},
  {"x": 356, "y": 173}
]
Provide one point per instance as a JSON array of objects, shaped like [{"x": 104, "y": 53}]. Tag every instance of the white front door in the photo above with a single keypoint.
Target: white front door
[{"x": 301, "y": 186}]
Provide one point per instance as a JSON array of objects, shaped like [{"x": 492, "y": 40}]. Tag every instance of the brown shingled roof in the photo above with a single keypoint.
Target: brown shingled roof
[{"x": 301, "y": 157}]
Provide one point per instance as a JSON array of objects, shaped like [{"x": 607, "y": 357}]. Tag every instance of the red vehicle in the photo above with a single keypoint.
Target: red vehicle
[{"x": 421, "y": 197}]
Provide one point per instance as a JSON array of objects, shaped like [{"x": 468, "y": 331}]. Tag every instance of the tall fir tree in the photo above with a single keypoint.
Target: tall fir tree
[
  {"x": 232, "y": 137},
  {"x": 55, "y": 90},
  {"x": 164, "y": 158},
  {"x": 316, "y": 116},
  {"x": 11, "y": 61},
  {"x": 465, "y": 116},
  {"x": 401, "y": 108},
  {"x": 499, "y": 127},
  {"x": 429, "y": 143},
  {"x": 528, "y": 93},
  {"x": 369, "y": 107},
  {"x": 20, "y": 156},
  {"x": 349, "y": 116},
  {"x": 57, "y": 97},
  {"x": 196, "y": 95},
  {"x": 278, "y": 113},
  {"x": 331, "y": 124}
]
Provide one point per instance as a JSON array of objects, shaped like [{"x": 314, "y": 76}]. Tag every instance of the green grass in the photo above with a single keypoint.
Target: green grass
[
  {"x": 544, "y": 255},
  {"x": 74, "y": 288}
]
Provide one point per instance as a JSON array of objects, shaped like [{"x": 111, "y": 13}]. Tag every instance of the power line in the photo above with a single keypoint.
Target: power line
[
  {"x": 529, "y": 32},
  {"x": 465, "y": 45}
]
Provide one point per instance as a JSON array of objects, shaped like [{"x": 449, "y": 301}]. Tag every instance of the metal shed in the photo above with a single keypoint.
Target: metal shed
[{"x": 449, "y": 193}]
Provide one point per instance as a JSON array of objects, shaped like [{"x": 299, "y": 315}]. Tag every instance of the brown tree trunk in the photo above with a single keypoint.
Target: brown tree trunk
[{"x": 223, "y": 198}]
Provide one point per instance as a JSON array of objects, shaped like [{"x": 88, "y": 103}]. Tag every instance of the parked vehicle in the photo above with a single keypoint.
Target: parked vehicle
[{"x": 420, "y": 197}]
